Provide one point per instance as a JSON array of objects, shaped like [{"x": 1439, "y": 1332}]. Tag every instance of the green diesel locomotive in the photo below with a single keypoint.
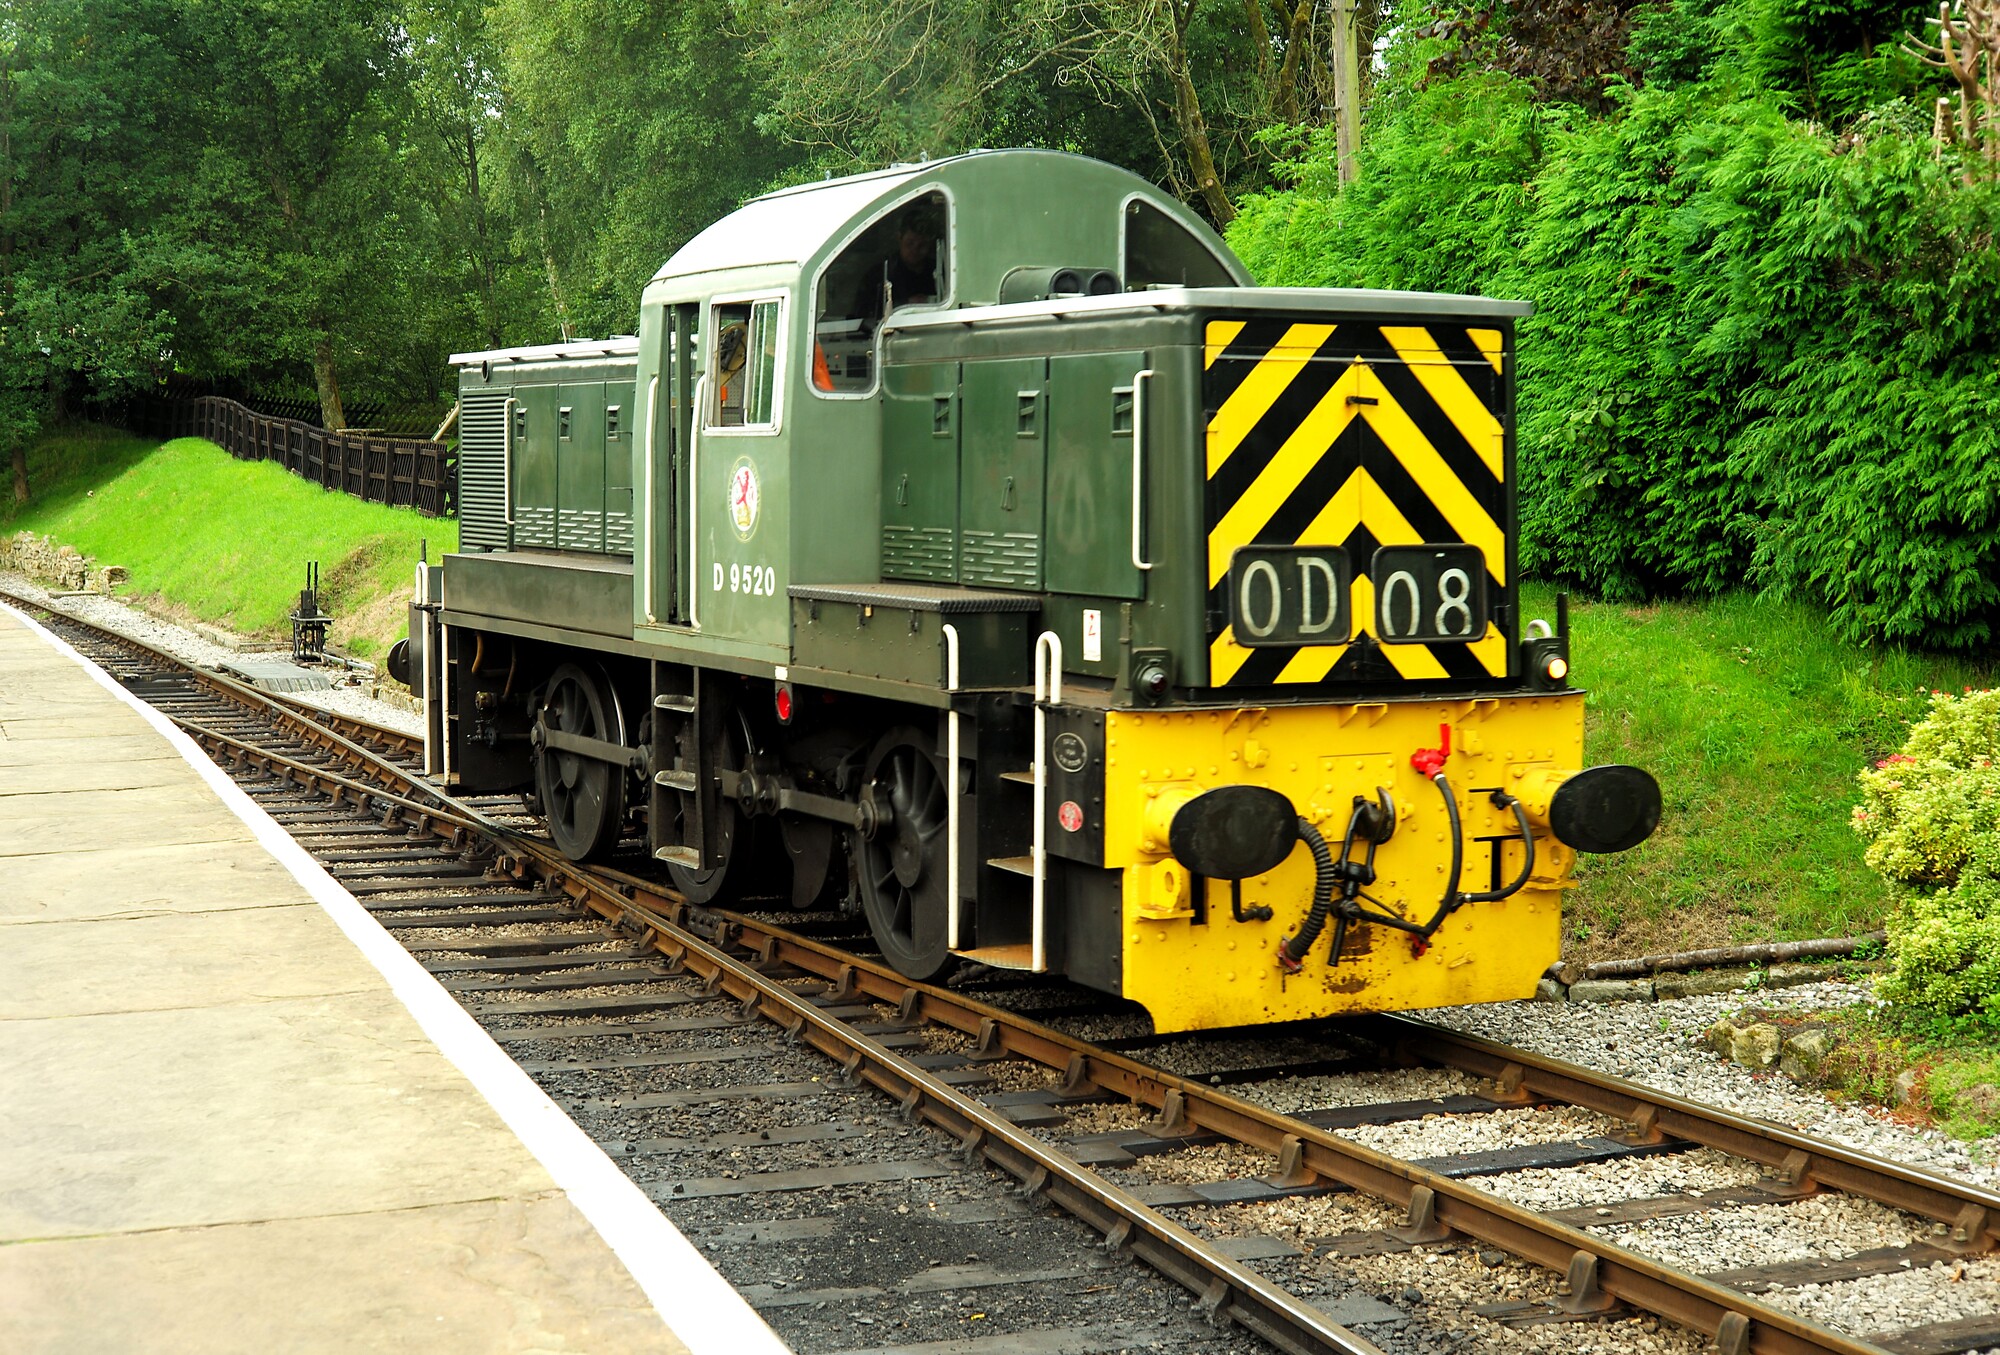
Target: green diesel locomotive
[{"x": 972, "y": 544}]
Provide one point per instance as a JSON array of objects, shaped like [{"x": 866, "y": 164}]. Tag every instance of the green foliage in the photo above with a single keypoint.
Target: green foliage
[
  {"x": 627, "y": 129},
  {"x": 128, "y": 502},
  {"x": 1750, "y": 713},
  {"x": 1925, "y": 810},
  {"x": 1930, "y": 818},
  {"x": 1762, "y": 346}
]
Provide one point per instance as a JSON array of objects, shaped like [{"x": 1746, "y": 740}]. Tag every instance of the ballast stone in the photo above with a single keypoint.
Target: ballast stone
[
  {"x": 1804, "y": 1053},
  {"x": 1611, "y": 990}
]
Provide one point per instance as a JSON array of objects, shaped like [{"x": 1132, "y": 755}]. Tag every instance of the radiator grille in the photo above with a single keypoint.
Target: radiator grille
[{"x": 482, "y": 441}]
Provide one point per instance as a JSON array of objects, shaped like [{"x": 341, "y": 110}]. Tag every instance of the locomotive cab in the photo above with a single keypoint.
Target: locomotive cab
[{"x": 1003, "y": 566}]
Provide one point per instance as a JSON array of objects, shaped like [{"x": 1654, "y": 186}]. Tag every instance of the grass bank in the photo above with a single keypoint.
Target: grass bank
[
  {"x": 211, "y": 538},
  {"x": 1755, "y": 720},
  {"x": 1751, "y": 715}
]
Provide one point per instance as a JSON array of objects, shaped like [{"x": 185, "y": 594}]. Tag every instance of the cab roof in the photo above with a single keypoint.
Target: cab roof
[{"x": 1012, "y": 207}]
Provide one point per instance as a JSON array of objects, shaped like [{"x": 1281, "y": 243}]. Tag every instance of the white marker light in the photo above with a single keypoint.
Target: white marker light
[{"x": 1558, "y": 668}]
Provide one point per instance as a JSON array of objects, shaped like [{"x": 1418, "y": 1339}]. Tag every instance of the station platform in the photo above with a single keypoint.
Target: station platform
[{"x": 236, "y": 1116}]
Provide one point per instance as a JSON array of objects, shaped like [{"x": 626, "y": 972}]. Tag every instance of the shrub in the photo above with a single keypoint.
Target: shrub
[
  {"x": 1930, "y": 818},
  {"x": 1763, "y": 342}
]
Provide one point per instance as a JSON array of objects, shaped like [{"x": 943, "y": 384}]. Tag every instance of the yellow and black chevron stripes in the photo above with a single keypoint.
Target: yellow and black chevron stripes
[{"x": 1356, "y": 435}]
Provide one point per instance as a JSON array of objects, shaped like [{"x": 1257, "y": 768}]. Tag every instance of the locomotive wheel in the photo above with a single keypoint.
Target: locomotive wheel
[
  {"x": 902, "y": 868},
  {"x": 583, "y": 798}
]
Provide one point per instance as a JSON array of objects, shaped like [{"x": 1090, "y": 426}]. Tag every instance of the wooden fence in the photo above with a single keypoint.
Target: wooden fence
[{"x": 396, "y": 471}]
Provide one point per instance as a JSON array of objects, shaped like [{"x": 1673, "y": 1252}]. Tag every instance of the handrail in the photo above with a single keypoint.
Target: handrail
[
  {"x": 693, "y": 489},
  {"x": 1139, "y": 381},
  {"x": 1048, "y": 692},
  {"x": 648, "y": 513},
  {"x": 507, "y": 461},
  {"x": 951, "y": 797}
]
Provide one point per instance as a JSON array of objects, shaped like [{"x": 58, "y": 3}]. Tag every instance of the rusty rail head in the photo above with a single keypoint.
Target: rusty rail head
[
  {"x": 1970, "y": 1212},
  {"x": 1739, "y": 1323}
]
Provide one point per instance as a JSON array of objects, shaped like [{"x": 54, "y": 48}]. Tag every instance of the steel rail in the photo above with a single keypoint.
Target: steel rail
[
  {"x": 1225, "y": 1289},
  {"x": 313, "y": 777},
  {"x": 1971, "y": 1212},
  {"x": 1600, "y": 1273},
  {"x": 313, "y": 717}
]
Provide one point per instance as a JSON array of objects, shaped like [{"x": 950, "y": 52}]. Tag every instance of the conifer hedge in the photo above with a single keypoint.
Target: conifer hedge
[{"x": 1766, "y": 346}]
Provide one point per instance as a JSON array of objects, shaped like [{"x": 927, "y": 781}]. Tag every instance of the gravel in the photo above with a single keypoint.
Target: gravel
[
  {"x": 1441, "y": 1135},
  {"x": 1820, "y": 1227},
  {"x": 1880, "y": 1303},
  {"x": 1658, "y": 1044},
  {"x": 1602, "y": 1183},
  {"x": 184, "y": 644},
  {"x": 1292, "y": 1094}
]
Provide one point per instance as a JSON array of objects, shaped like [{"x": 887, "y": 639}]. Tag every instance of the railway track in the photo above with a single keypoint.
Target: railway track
[{"x": 816, "y": 1123}]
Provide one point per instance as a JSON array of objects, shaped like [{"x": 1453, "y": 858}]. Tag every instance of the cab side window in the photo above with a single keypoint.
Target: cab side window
[
  {"x": 1160, "y": 251},
  {"x": 901, "y": 259},
  {"x": 743, "y": 370}
]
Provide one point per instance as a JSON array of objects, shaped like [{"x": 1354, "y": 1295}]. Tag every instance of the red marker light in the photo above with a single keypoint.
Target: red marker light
[{"x": 784, "y": 703}]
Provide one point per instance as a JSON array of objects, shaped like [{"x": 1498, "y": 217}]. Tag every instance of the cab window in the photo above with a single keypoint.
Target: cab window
[
  {"x": 1161, "y": 252},
  {"x": 743, "y": 371},
  {"x": 901, "y": 259}
]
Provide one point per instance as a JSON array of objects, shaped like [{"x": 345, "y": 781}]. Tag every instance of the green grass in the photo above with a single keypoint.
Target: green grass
[
  {"x": 1751, "y": 715},
  {"x": 1957, "y": 1066},
  {"x": 1755, "y": 720},
  {"x": 226, "y": 541}
]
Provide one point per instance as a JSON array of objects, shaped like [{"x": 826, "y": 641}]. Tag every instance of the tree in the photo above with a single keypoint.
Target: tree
[
  {"x": 1571, "y": 51},
  {"x": 1967, "y": 47},
  {"x": 624, "y": 131},
  {"x": 305, "y": 112},
  {"x": 90, "y": 250},
  {"x": 858, "y": 82}
]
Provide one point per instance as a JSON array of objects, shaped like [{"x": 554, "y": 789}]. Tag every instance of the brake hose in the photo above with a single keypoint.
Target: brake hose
[{"x": 1293, "y": 949}]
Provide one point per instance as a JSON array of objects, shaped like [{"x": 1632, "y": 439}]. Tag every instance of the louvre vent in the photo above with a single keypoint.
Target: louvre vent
[
  {"x": 918, "y": 553},
  {"x": 578, "y": 529},
  {"x": 534, "y": 526},
  {"x": 482, "y": 510},
  {"x": 1010, "y": 559},
  {"x": 618, "y": 533}
]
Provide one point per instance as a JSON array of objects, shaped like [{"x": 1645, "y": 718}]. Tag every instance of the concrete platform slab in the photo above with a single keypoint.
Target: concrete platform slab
[
  {"x": 236, "y": 1116},
  {"x": 42, "y": 778},
  {"x": 168, "y": 961},
  {"x": 116, "y": 820},
  {"x": 43, "y": 729},
  {"x": 107, "y": 745},
  {"x": 181, "y": 878},
  {"x": 480, "y": 1271}
]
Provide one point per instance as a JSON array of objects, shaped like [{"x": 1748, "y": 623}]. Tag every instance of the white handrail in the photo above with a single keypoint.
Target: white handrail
[
  {"x": 1048, "y": 691},
  {"x": 421, "y": 660},
  {"x": 693, "y": 491},
  {"x": 507, "y": 463},
  {"x": 444, "y": 699},
  {"x": 1139, "y": 381},
  {"x": 647, "y": 508},
  {"x": 951, "y": 797}
]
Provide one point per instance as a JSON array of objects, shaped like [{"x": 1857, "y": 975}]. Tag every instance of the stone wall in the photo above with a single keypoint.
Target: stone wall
[{"x": 48, "y": 562}]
